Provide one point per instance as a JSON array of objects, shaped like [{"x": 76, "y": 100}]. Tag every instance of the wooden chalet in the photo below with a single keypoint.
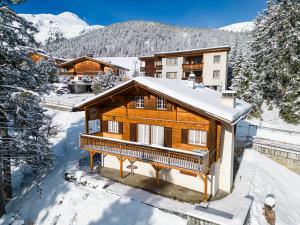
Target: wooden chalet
[
  {"x": 76, "y": 68},
  {"x": 174, "y": 130},
  {"x": 37, "y": 56}
]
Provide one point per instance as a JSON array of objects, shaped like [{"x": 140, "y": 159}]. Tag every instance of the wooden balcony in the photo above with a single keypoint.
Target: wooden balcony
[
  {"x": 196, "y": 66},
  {"x": 66, "y": 73},
  {"x": 158, "y": 67},
  {"x": 196, "y": 161}
]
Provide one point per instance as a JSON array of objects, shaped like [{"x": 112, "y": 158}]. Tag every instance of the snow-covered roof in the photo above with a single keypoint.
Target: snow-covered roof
[
  {"x": 200, "y": 98},
  {"x": 84, "y": 58},
  {"x": 211, "y": 49}
]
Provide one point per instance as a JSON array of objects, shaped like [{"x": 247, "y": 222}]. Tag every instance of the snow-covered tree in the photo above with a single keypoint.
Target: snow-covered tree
[
  {"x": 103, "y": 82},
  {"x": 275, "y": 60},
  {"x": 22, "y": 83}
]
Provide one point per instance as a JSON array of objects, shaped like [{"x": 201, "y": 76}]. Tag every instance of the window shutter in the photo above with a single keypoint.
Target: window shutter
[
  {"x": 120, "y": 127},
  {"x": 168, "y": 137},
  {"x": 104, "y": 126},
  {"x": 169, "y": 106},
  {"x": 152, "y": 103},
  {"x": 184, "y": 136},
  {"x": 133, "y": 132}
]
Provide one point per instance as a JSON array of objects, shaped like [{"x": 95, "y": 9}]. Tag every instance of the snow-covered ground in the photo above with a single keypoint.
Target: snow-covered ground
[
  {"x": 67, "y": 203},
  {"x": 63, "y": 202},
  {"x": 131, "y": 63},
  {"x": 239, "y": 27}
]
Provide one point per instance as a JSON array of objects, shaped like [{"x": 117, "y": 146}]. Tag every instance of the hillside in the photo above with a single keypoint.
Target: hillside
[
  {"x": 65, "y": 25},
  {"x": 136, "y": 38},
  {"x": 239, "y": 27}
]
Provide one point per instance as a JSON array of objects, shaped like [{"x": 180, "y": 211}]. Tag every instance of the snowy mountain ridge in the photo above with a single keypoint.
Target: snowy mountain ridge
[
  {"x": 63, "y": 26},
  {"x": 239, "y": 27}
]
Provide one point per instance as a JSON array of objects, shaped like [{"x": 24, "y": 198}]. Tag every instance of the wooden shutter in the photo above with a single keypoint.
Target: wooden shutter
[
  {"x": 120, "y": 128},
  {"x": 133, "y": 132},
  {"x": 168, "y": 137},
  {"x": 169, "y": 106},
  {"x": 184, "y": 136},
  {"x": 104, "y": 126}
]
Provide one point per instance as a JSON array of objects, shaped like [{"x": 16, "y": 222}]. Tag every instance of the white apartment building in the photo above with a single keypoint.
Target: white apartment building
[{"x": 208, "y": 64}]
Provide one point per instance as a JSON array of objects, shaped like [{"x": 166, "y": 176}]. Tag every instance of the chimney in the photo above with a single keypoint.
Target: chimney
[
  {"x": 228, "y": 98},
  {"x": 192, "y": 80},
  {"x": 89, "y": 55}
]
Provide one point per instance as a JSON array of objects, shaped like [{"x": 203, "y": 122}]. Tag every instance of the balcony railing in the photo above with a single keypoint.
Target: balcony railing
[
  {"x": 66, "y": 73},
  {"x": 158, "y": 67},
  {"x": 195, "y": 66},
  {"x": 197, "y": 161}
]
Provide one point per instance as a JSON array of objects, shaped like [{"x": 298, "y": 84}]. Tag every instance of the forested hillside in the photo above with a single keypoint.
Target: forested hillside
[{"x": 136, "y": 38}]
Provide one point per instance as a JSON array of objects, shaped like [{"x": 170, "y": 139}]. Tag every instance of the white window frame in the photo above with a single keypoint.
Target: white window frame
[
  {"x": 216, "y": 74},
  {"x": 157, "y": 135},
  {"x": 143, "y": 133},
  {"x": 113, "y": 127},
  {"x": 158, "y": 75},
  {"x": 161, "y": 103},
  {"x": 139, "y": 102},
  {"x": 171, "y": 61},
  {"x": 217, "y": 58},
  {"x": 197, "y": 137},
  {"x": 171, "y": 75}
]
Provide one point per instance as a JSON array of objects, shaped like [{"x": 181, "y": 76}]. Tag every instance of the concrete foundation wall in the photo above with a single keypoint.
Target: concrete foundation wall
[{"x": 171, "y": 175}]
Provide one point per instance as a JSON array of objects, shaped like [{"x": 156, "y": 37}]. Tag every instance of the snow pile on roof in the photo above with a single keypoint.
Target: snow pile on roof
[
  {"x": 131, "y": 63},
  {"x": 201, "y": 98},
  {"x": 239, "y": 27},
  {"x": 67, "y": 24}
]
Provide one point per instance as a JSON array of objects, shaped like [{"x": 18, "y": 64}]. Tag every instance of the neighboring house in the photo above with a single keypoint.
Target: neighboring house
[
  {"x": 37, "y": 56},
  {"x": 174, "y": 130},
  {"x": 208, "y": 64},
  {"x": 81, "y": 71}
]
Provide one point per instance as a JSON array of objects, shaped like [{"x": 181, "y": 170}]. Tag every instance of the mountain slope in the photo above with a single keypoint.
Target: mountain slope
[
  {"x": 136, "y": 38},
  {"x": 239, "y": 27},
  {"x": 64, "y": 25}
]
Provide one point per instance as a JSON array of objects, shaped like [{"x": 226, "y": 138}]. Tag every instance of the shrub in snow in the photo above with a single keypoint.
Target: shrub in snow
[
  {"x": 103, "y": 82},
  {"x": 269, "y": 209}
]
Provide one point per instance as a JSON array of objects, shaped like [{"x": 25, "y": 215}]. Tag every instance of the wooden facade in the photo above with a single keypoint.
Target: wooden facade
[
  {"x": 88, "y": 66},
  {"x": 177, "y": 120}
]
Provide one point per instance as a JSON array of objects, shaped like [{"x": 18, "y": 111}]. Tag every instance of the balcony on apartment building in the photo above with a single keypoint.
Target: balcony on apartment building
[
  {"x": 193, "y": 63},
  {"x": 158, "y": 65}
]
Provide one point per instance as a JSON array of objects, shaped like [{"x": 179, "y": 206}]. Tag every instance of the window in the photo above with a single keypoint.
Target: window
[
  {"x": 139, "y": 102},
  {"x": 216, "y": 74},
  {"x": 143, "y": 133},
  {"x": 171, "y": 61},
  {"x": 158, "y": 63},
  {"x": 197, "y": 137},
  {"x": 217, "y": 58},
  {"x": 157, "y": 135},
  {"x": 143, "y": 64},
  {"x": 94, "y": 126},
  {"x": 171, "y": 75},
  {"x": 113, "y": 127},
  {"x": 158, "y": 75},
  {"x": 160, "y": 103}
]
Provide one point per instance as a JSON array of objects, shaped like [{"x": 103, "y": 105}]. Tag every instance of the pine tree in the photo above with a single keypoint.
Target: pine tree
[
  {"x": 103, "y": 82},
  {"x": 22, "y": 83},
  {"x": 276, "y": 56}
]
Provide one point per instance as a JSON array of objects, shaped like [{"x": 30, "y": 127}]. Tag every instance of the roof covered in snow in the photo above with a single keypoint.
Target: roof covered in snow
[
  {"x": 188, "y": 52},
  {"x": 199, "y": 99},
  {"x": 85, "y": 58}
]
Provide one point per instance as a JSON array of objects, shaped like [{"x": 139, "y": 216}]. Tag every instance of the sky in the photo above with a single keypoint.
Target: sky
[{"x": 191, "y": 13}]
